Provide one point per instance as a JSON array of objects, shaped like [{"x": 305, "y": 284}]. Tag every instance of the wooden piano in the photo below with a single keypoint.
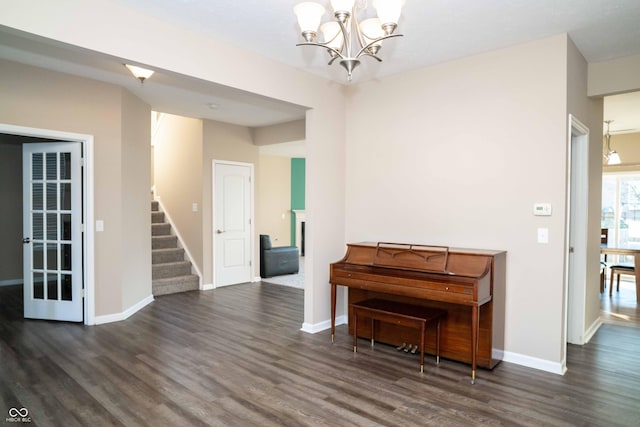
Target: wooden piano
[{"x": 468, "y": 283}]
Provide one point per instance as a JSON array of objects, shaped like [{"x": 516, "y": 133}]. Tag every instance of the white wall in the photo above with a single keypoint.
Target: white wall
[
  {"x": 136, "y": 200},
  {"x": 273, "y": 216},
  {"x": 615, "y": 76},
  {"x": 467, "y": 149}
]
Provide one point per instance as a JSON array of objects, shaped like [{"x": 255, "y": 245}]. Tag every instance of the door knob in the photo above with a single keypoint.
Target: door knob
[
  {"x": 26, "y": 240},
  {"x": 219, "y": 231}
]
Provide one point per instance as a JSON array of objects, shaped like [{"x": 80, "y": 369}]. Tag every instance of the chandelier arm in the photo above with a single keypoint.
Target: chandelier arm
[
  {"x": 362, "y": 51},
  {"x": 337, "y": 52},
  {"x": 373, "y": 56}
]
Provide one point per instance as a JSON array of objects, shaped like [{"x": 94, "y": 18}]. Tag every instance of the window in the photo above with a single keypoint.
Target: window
[{"x": 621, "y": 208}]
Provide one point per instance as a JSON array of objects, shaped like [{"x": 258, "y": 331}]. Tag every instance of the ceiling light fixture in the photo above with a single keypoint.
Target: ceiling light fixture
[
  {"x": 612, "y": 157},
  {"x": 140, "y": 73},
  {"x": 338, "y": 34}
]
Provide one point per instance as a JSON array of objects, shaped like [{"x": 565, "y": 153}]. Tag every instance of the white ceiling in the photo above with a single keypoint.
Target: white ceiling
[{"x": 434, "y": 31}]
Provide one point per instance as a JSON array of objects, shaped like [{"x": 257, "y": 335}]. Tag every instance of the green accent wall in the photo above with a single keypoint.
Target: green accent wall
[{"x": 298, "y": 168}]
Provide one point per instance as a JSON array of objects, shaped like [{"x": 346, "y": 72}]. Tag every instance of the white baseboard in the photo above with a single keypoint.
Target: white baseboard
[
  {"x": 11, "y": 282},
  {"x": 109, "y": 318},
  {"x": 207, "y": 287},
  {"x": 533, "y": 362},
  {"x": 312, "y": 328},
  {"x": 591, "y": 331}
]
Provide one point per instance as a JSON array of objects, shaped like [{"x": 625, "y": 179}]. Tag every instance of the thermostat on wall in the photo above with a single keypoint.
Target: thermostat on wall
[{"x": 543, "y": 209}]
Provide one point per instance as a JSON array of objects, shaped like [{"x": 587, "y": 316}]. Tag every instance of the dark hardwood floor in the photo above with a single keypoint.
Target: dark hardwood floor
[
  {"x": 235, "y": 356},
  {"x": 621, "y": 308}
]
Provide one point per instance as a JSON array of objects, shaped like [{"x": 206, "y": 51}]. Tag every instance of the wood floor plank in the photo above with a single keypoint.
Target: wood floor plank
[{"x": 235, "y": 357}]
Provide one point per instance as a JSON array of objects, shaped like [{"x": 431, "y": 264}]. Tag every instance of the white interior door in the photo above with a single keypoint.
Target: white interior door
[
  {"x": 52, "y": 209},
  {"x": 232, "y": 223}
]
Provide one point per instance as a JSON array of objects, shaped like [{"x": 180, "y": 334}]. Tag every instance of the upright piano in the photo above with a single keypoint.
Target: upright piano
[{"x": 468, "y": 283}]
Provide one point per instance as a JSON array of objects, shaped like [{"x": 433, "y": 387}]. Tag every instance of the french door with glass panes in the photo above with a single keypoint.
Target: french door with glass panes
[{"x": 52, "y": 244}]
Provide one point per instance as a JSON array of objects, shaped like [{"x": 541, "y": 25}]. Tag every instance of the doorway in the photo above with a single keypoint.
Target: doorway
[
  {"x": 84, "y": 292},
  {"x": 577, "y": 218},
  {"x": 232, "y": 222}
]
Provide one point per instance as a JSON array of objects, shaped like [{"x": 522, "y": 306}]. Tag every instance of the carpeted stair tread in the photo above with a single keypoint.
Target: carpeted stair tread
[
  {"x": 160, "y": 229},
  {"x": 171, "y": 269},
  {"x": 157, "y": 217},
  {"x": 164, "y": 242},
  {"x": 173, "y": 285},
  {"x": 160, "y": 256}
]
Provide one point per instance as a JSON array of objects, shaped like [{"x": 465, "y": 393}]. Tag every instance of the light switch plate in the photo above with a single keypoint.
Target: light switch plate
[
  {"x": 543, "y": 235},
  {"x": 99, "y": 225}
]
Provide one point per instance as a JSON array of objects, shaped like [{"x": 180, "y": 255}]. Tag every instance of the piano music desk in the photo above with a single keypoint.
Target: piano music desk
[{"x": 412, "y": 316}]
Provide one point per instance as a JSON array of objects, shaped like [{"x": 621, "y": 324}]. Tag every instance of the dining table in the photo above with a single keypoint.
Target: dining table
[{"x": 635, "y": 252}]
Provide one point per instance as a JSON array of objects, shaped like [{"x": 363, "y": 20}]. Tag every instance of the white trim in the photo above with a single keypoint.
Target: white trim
[
  {"x": 322, "y": 326},
  {"x": 207, "y": 287},
  {"x": 181, "y": 244},
  {"x": 11, "y": 282},
  {"x": 591, "y": 331},
  {"x": 87, "y": 206},
  {"x": 116, "y": 317},
  {"x": 251, "y": 167},
  {"x": 559, "y": 368}
]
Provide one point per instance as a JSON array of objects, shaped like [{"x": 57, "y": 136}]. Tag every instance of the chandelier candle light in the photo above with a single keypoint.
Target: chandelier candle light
[{"x": 338, "y": 34}]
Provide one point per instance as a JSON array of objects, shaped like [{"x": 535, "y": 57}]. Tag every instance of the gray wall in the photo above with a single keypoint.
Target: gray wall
[{"x": 10, "y": 211}]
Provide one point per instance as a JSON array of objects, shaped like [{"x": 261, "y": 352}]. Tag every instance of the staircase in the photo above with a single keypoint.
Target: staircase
[{"x": 170, "y": 272}]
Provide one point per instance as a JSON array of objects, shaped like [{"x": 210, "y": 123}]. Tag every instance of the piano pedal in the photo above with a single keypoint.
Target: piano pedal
[
  {"x": 408, "y": 348},
  {"x": 414, "y": 349},
  {"x": 402, "y": 347}
]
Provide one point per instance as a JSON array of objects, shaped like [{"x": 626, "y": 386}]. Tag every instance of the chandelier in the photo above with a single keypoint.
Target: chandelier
[
  {"x": 612, "y": 157},
  {"x": 338, "y": 34}
]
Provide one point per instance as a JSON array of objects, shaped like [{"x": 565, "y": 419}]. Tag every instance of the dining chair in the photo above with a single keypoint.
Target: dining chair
[
  {"x": 619, "y": 269},
  {"x": 604, "y": 239}
]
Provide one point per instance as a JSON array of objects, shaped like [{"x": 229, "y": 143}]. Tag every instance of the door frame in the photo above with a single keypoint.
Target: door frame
[
  {"x": 577, "y": 234},
  {"x": 214, "y": 237},
  {"x": 88, "y": 235}
]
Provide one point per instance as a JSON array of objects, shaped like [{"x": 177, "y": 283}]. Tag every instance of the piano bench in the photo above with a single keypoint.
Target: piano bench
[{"x": 398, "y": 313}]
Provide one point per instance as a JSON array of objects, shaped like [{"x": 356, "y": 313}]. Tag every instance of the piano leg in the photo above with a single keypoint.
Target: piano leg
[
  {"x": 422, "y": 333},
  {"x": 355, "y": 331},
  {"x": 474, "y": 340},
  {"x": 438, "y": 343},
  {"x": 333, "y": 311}
]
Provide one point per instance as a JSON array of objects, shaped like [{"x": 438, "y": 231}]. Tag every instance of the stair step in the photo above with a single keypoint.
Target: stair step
[
  {"x": 161, "y": 229},
  {"x": 160, "y": 256},
  {"x": 157, "y": 217},
  {"x": 175, "y": 284},
  {"x": 155, "y": 206},
  {"x": 164, "y": 242},
  {"x": 170, "y": 269}
]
